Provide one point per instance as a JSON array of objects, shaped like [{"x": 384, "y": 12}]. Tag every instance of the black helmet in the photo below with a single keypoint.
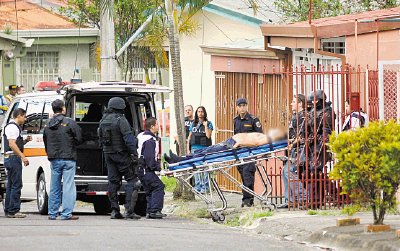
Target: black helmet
[
  {"x": 319, "y": 95},
  {"x": 116, "y": 103}
]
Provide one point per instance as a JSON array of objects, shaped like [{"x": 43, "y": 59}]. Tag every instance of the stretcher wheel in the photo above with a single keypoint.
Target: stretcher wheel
[
  {"x": 217, "y": 216},
  {"x": 267, "y": 205}
]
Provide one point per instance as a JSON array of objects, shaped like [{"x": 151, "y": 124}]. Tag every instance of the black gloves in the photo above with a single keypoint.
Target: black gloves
[{"x": 135, "y": 160}]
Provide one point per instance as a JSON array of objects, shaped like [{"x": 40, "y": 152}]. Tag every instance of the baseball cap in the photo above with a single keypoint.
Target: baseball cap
[
  {"x": 241, "y": 101},
  {"x": 12, "y": 87}
]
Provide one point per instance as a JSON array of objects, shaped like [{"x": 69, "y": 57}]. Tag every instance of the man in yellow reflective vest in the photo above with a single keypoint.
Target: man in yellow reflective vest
[{"x": 12, "y": 90}]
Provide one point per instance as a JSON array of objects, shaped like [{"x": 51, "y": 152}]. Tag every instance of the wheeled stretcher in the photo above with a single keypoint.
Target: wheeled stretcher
[{"x": 221, "y": 162}]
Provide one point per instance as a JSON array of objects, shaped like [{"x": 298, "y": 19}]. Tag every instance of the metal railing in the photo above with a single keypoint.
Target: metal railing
[
  {"x": 309, "y": 185},
  {"x": 29, "y": 77}
]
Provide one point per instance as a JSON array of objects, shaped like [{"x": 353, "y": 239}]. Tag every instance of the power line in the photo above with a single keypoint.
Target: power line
[
  {"x": 16, "y": 16},
  {"x": 217, "y": 26},
  {"x": 77, "y": 44}
]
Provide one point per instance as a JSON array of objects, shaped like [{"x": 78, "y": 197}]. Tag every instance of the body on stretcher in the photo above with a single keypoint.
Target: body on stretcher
[
  {"x": 221, "y": 162},
  {"x": 228, "y": 155}
]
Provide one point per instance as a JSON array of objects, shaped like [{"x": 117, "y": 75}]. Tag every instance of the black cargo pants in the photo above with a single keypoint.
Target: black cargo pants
[
  {"x": 120, "y": 165},
  {"x": 247, "y": 172}
]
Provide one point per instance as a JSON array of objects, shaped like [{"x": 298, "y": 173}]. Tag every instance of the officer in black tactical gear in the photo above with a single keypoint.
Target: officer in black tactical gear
[
  {"x": 120, "y": 151},
  {"x": 321, "y": 126},
  {"x": 245, "y": 122}
]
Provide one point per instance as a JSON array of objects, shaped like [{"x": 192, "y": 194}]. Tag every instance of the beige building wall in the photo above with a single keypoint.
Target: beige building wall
[
  {"x": 198, "y": 79},
  {"x": 364, "y": 52}
]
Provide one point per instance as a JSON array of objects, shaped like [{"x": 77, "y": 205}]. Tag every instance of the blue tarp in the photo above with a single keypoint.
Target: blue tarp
[{"x": 239, "y": 153}]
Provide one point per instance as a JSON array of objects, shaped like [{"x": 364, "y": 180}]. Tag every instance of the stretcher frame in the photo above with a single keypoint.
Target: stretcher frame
[{"x": 217, "y": 213}]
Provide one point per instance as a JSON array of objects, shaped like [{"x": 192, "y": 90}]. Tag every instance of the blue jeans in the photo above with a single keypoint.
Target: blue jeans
[
  {"x": 13, "y": 165},
  {"x": 200, "y": 179},
  {"x": 64, "y": 192},
  {"x": 297, "y": 190}
]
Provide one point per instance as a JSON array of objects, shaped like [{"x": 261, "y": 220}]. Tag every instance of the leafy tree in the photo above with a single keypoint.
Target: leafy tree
[
  {"x": 298, "y": 10},
  {"x": 369, "y": 165},
  {"x": 178, "y": 13},
  {"x": 129, "y": 15},
  {"x": 367, "y": 5},
  {"x": 83, "y": 11}
]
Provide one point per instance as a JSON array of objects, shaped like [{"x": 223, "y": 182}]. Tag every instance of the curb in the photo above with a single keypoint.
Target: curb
[
  {"x": 347, "y": 222},
  {"x": 354, "y": 238}
]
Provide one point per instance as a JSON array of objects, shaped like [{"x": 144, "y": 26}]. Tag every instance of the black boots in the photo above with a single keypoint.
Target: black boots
[
  {"x": 156, "y": 215},
  {"x": 132, "y": 216},
  {"x": 247, "y": 203},
  {"x": 172, "y": 158},
  {"x": 167, "y": 158},
  {"x": 116, "y": 215}
]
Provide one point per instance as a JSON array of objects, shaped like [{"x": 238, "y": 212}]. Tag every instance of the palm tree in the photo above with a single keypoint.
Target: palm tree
[
  {"x": 130, "y": 14},
  {"x": 192, "y": 7}
]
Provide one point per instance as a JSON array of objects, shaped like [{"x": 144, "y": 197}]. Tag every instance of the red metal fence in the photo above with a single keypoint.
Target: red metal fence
[{"x": 270, "y": 96}]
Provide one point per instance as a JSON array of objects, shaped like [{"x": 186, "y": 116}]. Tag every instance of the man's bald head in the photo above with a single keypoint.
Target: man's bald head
[{"x": 276, "y": 134}]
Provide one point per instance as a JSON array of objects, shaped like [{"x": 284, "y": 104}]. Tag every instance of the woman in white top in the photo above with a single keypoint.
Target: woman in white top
[{"x": 354, "y": 119}]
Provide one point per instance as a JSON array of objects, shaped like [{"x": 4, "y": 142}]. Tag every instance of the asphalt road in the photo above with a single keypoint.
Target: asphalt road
[{"x": 93, "y": 232}]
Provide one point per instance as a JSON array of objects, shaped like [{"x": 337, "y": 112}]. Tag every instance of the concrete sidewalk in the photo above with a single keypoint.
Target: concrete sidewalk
[
  {"x": 317, "y": 230},
  {"x": 321, "y": 230}
]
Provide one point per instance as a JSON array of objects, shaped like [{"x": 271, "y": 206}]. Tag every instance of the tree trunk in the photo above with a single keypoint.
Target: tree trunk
[
  {"x": 146, "y": 75},
  {"x": 382, "y": 211},
  {"x": 178, "y": 93}
]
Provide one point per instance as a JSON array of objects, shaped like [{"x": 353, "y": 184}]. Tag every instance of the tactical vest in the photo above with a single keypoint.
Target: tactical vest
[
  {"x": 199, "y": 136},
  {"x": 110, "y": 136},
  {"x": 188, "y": 122},
  {"x": 297, "y": 125},
  {"x": 19, "y": 141},
  {"x": 318, "y": 120}
]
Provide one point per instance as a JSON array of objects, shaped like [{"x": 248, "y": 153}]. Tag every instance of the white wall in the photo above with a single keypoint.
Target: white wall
[
  {"x": 198, "y": 79},
  {"x": 311, "y": 59},
  {"x": 67, "y": 55}
]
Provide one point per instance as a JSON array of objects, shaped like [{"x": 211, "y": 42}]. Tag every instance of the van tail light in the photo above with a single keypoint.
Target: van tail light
[{"x": 94, "y": 193}]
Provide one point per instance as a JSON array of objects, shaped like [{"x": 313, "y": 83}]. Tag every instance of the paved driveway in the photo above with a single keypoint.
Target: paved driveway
[{"x": 93, "y": 232}]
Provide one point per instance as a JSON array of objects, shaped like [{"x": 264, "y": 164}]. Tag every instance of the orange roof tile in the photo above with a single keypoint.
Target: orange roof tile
[{"x": 31, "y": 16}]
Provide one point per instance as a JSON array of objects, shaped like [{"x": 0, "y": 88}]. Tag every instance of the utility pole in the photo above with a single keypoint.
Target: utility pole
[{"x": 107, "y": 42}]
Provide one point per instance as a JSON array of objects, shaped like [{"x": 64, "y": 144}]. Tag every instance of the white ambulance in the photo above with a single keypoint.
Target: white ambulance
[{"x": 85, "y": 103}]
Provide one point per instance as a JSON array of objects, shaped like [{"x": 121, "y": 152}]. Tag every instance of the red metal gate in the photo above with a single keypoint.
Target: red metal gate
[{"x": 269, "y": 98}]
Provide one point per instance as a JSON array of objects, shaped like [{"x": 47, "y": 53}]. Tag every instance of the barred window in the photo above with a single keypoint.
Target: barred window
[
  {"x": 334, "y": 45},
  {"x": 40, "y": 61}
]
